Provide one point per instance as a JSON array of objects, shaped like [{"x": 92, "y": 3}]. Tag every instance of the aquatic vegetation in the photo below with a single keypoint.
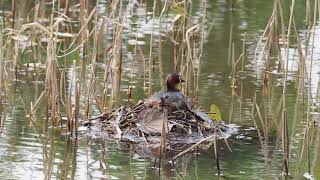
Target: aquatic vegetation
[{"x": 66, "y": 62}]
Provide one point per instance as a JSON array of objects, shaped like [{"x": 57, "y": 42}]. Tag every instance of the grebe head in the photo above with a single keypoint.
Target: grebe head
[{"x": 172, "y": 80}]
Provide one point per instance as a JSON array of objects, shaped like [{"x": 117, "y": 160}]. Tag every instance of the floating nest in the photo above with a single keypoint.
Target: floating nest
[{"x": 153, "y": 131}]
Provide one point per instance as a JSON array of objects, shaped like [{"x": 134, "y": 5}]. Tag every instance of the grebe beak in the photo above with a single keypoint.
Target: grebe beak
[{"x": 181, "y": 80}]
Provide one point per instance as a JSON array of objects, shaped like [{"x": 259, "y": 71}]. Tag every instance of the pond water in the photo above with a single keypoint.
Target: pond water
[{"x": 37, "y": 150}]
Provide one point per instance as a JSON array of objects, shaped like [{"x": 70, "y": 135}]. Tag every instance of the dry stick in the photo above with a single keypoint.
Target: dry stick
[{"x": 193, "y": 146}]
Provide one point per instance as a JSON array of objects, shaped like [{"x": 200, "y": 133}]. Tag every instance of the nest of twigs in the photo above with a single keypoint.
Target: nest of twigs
[{"x": 158, "y": 127}]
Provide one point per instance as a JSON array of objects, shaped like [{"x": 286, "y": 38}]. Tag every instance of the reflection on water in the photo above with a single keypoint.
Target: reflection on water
[{"x": 30, "y": 149}]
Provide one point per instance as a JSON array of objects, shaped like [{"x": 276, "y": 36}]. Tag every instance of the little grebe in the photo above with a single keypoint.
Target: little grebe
[{"x": 172, "y": 96}]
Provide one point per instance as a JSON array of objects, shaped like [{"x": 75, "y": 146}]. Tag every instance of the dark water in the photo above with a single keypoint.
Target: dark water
[{"x": 39, "y": 151}]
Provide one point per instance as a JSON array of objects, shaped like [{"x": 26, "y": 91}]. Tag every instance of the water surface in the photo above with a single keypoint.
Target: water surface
[{"x": 39, "y": 151}]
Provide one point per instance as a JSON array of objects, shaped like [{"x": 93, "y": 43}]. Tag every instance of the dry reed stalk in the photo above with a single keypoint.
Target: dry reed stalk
[
  {"x": 309, "y": 14},
  {"x": 269, "y": 33},
  {"x": 91, "y": 88},
  {"x": 36, "y": 105},
  {"x": 70, "y": 49},
  {"x": 233, "y": 66},
  {"x": 63, "y": 87},
  {"x": 285, "y": 137},
  {"x": 160, "y": 59},
  {"x": 1, "y": 58},
  {"x": 230, "y": 42},
  {"x": 84, "y": 32},
  {"x": 51, "y": 79},
  {"x": 216, "y": 152},
  {"x": 13, "y": 10},
  {"x": 309, "y": 93},
  {"x": 285, "y": 144},
  {"x": 117, "y": 63},
  {"x": 184, "y": 54},
  {"x": 77, "y": 109},
  {"x": 129, "y": 90},
  {"x": 150, "y": 61},
  {"x": 87, "y": 107},
  {"x": 243, "y": 51},
  {"x": 96, "y": 42},
  {"x": 106, "y": 78},
  {"x": 66, "y": 160},
  {"x": 301, "y": 56},
  {"x": 69, "y": 100},
  {"x": 2, "y": 120},
  {"x": 189, "y": 56},
  {"x": 104, "y": 30},
  {"x": 255, "y": 122},
  {"x": 160, "y": 49},
  {"x": 203, "y": 21},
  {"x": 66, "y": 5},
  {"x": 164, "y": 134},
  {"x": 33, "y": 38}
]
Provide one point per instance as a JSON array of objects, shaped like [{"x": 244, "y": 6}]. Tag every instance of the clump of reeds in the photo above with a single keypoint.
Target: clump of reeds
[{"x": 278, "y": 37}]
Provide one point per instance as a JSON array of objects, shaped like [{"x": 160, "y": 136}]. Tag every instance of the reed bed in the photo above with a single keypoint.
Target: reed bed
[{"x": 63, "y": 36}]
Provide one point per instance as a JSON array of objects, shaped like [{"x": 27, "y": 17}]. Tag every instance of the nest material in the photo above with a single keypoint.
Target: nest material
[{"x": 142, "y": 124}]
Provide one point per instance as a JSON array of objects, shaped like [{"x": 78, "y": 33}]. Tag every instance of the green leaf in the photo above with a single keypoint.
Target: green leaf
[{"x": 215, "y": 113}]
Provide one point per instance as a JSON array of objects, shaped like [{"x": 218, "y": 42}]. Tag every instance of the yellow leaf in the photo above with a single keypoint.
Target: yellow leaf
[{"x": 215, "y": 113}]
